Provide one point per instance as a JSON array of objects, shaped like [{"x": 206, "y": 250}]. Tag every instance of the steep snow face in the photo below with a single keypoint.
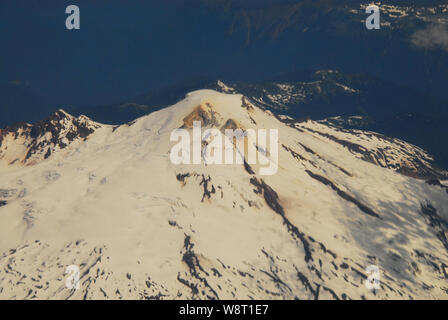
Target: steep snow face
[
  {"x": 383, "y": 151},
  {"x": 139, "y": 226}
]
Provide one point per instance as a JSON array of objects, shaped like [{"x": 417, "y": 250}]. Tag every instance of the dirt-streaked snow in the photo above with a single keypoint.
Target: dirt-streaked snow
[{"x": 139, "y": 226}]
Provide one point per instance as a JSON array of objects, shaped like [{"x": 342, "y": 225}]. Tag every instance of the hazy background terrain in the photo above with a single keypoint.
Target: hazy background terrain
[{"x": 131, "y": 56}]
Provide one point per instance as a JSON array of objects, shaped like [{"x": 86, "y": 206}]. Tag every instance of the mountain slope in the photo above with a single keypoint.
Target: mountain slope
[
  {"x": 28, "y": 144},
  {"x": 139, "y": 226},
  {"x": 351, "y": 101},
  {"x": 356, "y": 101}
]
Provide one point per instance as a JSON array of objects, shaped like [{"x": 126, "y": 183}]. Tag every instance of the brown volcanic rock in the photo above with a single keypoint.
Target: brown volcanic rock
[{"x": 203, "y": 113}]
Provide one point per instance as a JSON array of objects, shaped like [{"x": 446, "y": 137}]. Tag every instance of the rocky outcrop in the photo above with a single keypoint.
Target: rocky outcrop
[{"x": 24, "y": 143}]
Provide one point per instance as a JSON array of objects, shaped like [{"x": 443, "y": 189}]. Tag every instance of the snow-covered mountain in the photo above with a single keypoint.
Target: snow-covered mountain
[
  {"x": 354, "y": 101},
  {"x": 109, "y": 200},
  {"x": 28, "y": 144}
]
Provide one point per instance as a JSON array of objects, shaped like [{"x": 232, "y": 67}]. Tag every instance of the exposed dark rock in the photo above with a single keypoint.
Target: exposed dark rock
[
  {"x": 172, "y": 223},
  {"x": 246, "y": 104},
  {"x": 230, "y": 124},
  {"x": 248, "y": 168},
  {"x": 307, "y": 149},
  {"x": 294, "y": 154},
  {"x": 414, "y": 167},
  {"x": 57, "y": 131},
  {"x": 207, "y": 192},
  {"x": 307, "y": 285},
  {"x": 182, "y": 177},
  {"x": 271, "y": 198},
  {"x": 270, "y": 195},
  {"x": 436, "y": 222},
  {"x": 343, "y": 194},
  {"x": 195, "y": 269},
  {"x": 203, "y": 114}
]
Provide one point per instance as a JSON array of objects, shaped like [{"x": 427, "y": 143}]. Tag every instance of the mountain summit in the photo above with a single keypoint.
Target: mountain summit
[
  {"x": 27, "y": 144},
  {"x": 108, "y": 200}
]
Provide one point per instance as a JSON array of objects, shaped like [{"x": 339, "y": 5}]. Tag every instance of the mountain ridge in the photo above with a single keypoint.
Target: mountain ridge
[
  {"x": 31, "y": 143},
  {"x": 139, "y": 226}
]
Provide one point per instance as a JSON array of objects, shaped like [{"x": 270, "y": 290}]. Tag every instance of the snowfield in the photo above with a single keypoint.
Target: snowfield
[{"x": 108, "y": 199}]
